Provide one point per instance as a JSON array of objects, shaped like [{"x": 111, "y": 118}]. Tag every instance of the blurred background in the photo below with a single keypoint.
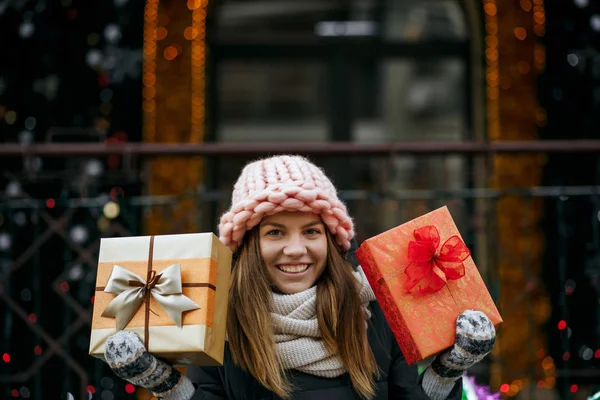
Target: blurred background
[{"x": 132, "y": 117}]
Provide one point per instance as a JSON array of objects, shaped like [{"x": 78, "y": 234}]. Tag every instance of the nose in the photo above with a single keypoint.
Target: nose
[{"x": 295, "y": 247}]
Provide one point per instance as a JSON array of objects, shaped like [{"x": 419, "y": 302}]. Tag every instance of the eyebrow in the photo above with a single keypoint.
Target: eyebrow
[{"x": 276, "y": 225}]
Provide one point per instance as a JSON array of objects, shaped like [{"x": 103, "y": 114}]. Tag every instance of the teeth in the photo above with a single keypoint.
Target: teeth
[{"x": 293, "y": 268}]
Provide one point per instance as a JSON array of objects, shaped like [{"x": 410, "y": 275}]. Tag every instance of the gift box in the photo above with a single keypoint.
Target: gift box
[
  {"x": 424, "y": 277},
  {"x": 171, "y": 290}
]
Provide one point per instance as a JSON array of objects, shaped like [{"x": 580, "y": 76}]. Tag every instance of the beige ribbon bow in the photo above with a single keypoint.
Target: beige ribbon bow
[{"x": 166, "y": 288}]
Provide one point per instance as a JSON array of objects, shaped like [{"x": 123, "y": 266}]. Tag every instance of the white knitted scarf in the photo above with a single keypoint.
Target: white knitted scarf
[{"x": 297, "y": 336}]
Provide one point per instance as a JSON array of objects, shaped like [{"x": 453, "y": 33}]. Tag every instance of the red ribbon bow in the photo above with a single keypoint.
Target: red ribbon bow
[{"x": 429, "y": 270}]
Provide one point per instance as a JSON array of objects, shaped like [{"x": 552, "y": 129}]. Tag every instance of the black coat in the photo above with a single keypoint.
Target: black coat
[{"x": 398, "y": 380}]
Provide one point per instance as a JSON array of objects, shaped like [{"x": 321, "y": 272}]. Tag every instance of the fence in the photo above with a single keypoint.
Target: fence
[{"x": 51, "y": 223}]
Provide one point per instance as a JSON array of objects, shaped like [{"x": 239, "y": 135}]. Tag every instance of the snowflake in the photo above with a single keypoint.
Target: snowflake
[
  {"x": 122, "y": 63},
  {"x": 47, "y": 86}
]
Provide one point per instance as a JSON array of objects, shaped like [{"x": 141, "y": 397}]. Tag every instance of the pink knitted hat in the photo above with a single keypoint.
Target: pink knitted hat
[{"x": 283, "y": 183}]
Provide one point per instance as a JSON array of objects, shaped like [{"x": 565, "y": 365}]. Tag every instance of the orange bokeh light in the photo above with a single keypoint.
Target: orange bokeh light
[
  {"x": 149, "y": 92},
  {"x": 491, "y": 41},
  {"x": 539, "y": 17},
  {"x": 149, "y": 79},
  {"x": 524, "y": 67},
  {"x": 161, "y": 33},
  {"x": 199, "y": 15},
  {"x": 170, "y": 52},
  {"x": 490, "y": 9},
  {"x": 491, "y": 28},
  {"x": 491, "y": 54},
  {"x": 190, "y": 33},
  {"x": 526, "y": 5},
  {"x": 194, "y": 4},
  {"x": 521, "y": 33},
  {"x": 539, "y": 30}
]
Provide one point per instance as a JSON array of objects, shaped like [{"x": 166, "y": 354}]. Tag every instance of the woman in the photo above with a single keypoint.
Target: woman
[{"x": 302, "y": 322}]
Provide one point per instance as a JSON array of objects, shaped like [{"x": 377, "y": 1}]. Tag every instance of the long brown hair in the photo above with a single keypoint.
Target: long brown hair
[{"x": 339, "y": 314}]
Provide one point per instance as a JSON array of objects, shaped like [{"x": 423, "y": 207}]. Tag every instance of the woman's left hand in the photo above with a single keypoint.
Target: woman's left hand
[{"x": 475, "y": 338}]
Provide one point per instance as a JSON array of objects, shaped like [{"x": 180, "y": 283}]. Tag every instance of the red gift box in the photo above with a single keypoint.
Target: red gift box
[{"x": 424, "y": 277}]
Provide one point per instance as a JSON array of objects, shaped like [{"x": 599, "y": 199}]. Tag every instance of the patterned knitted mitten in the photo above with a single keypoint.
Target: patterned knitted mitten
[
  {"x": 128, "y": 358},
  {"x": 475, "y": 338}
]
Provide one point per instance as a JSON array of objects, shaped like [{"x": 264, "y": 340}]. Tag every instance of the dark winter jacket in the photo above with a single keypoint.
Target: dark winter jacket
[{"x": 397, "y": 381}]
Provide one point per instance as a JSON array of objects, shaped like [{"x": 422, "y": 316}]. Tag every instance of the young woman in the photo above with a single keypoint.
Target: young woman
[{"x": 302, "y": 321}]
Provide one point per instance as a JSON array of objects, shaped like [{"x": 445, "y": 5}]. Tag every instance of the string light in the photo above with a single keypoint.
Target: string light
[
  {"x": 512, "y": 59},
  {"x": 513, "y": 389},
  {"x": 170, "y": 53},
  {"x": 198, "y": 36},
  {"x": 539, "y": 18},
  {"x": 520, "y": 33},
  {"x": 111, "y": 210},
  {"x": 174, "y": 101},
  {"x": 539, "y": 57},
  {"x": 149, "y": 70},
  {"x": 129, "y": 388},
  {"x": 549, "y": 370},
  {"x": 526, "y": 5},
  {"x": 161, "y": 33},
  {"x": 574, "y": 388},
  {"x": 116, "y": 192},
  {"x": 492, "y": 69},
  {"x": 539, "y": 28},
  {"x": 540, "y": 353}
]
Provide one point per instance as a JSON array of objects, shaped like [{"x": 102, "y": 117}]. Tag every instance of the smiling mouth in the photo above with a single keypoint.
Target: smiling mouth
[{"x": 293, "y": 268}]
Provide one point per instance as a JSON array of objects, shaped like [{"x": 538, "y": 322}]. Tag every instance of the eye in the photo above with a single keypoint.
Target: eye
[
  {"x": 274, "y": 232},
  {"x": 313, "y": 231}
]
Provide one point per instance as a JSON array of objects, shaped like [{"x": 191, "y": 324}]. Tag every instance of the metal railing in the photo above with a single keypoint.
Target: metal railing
[{"x": 327, "y": 149}]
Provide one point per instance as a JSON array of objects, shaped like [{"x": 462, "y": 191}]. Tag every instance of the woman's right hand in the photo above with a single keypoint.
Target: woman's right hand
[{"x": 128, "y": 358}]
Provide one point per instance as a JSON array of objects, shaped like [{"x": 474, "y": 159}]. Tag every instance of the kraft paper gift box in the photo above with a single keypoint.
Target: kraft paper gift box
[
  {"x": 424, "y": 277},
  {"x": 171, "y": 290}
]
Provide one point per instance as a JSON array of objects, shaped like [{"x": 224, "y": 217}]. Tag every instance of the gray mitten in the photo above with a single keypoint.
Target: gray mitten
[
  {"x": 128, "y": 358},
  {"x": 475, "y": 338}
]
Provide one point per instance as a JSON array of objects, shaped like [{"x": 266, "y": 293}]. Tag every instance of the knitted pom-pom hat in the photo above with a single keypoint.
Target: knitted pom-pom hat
[{"x": 283, "y": 183}]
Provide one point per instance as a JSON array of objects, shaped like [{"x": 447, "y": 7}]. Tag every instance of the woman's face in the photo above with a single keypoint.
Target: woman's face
[{"x": 294, "y": 248}]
